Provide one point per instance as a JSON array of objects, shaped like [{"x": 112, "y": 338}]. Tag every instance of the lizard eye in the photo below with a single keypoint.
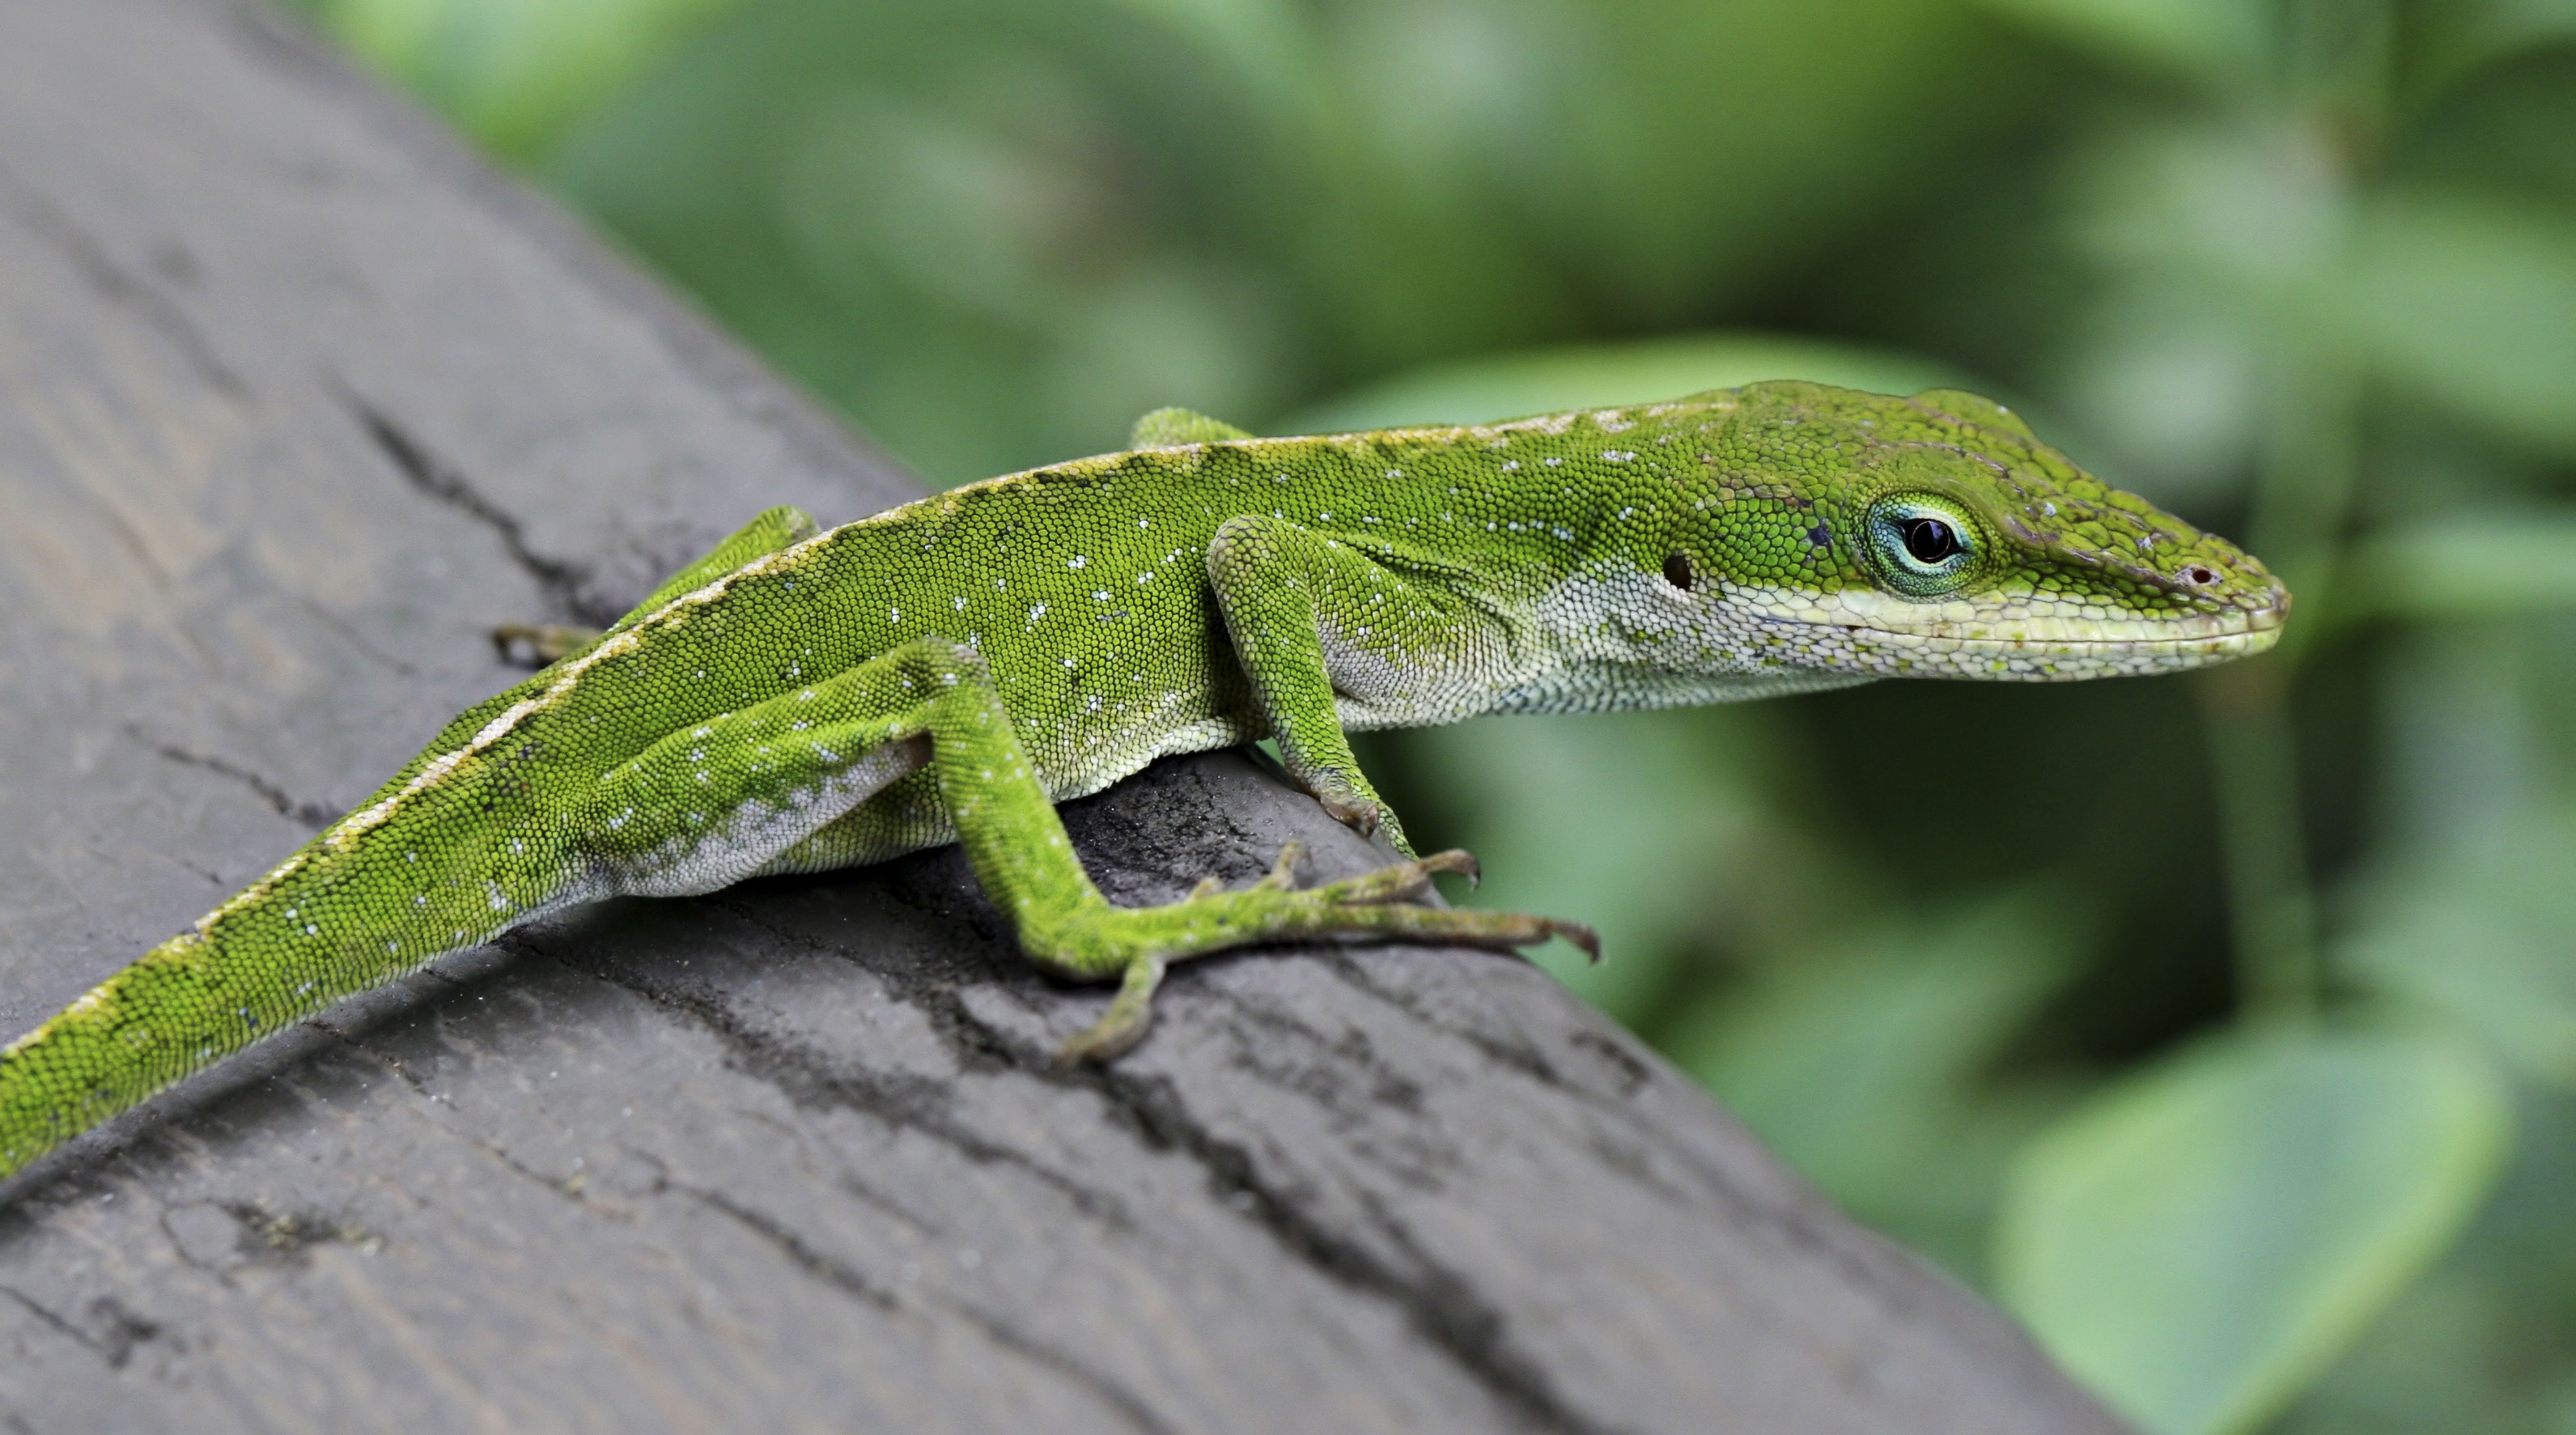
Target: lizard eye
[
  {"x": 1928, "y": 540},
  {"x": 1920, "y": 546}
]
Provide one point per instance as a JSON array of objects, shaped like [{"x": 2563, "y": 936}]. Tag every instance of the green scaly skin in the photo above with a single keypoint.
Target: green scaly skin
[{"x": 950, "y": 670}]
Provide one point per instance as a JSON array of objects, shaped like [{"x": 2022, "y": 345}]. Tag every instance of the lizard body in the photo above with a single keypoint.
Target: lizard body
[{"x": 950, "y": 669}]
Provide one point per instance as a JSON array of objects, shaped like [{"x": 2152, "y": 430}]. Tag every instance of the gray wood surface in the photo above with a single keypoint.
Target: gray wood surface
[{"x": 295, "y": 402}]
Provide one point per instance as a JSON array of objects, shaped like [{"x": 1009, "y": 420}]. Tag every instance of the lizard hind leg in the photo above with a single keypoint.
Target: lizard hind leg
[
  {"x": 1015, "y": 841},
  {"x": 723, "y": 798}
]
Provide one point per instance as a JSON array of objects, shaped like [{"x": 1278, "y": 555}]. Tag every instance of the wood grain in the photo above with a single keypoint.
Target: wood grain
[{"x": 296, "y": 401}]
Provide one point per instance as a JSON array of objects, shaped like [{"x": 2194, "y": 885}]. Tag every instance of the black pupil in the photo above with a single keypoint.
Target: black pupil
[{"x": 1929, "y": 540}]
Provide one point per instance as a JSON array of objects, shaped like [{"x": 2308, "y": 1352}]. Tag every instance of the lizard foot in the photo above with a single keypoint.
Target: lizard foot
[
  {"x": 1366, "y": 816},
  {"x": 1373, "y": 904},
  {"x": 535, "y": 645}
]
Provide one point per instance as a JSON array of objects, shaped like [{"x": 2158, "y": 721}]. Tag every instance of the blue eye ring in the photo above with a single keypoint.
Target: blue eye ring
[{"x": 1919, "y": 546}]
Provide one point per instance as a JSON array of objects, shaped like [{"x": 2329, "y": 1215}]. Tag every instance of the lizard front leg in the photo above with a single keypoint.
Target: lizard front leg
[
  {"x": 1295, "y": 601},
  {"x": 539, "y": 644}
]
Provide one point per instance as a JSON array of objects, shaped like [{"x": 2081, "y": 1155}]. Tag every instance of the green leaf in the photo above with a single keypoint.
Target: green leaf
[
  {"x": 2462, "y": 36},
  {"x": 2221, "y": 40},
  {"x": 515, "y": 72},
  {"x": 1265, "y": 43},
  {"x": 2487, "y": 564},
  {"x": 1861, "y": 1065},
  {"x": 2482, "y": 933},
  {"x": 2472, "y": 304},
  {"x": 1510, "y": 385},
  {"x": 2200, "y": 1241}
]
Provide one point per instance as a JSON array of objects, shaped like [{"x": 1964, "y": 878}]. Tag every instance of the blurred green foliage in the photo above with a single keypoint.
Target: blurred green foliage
[{"x": 2226, "y": 1027}]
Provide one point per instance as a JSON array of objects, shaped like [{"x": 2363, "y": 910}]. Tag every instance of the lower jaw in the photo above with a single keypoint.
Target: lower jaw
[{"x": 2043, "y": 662}]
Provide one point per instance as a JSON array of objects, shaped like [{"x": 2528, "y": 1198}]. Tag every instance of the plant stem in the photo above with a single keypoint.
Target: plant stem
[{"x": 2271, "y": 910}]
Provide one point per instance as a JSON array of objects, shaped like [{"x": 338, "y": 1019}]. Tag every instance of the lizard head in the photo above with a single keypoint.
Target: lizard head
[{"x": 1938, "y": 536}]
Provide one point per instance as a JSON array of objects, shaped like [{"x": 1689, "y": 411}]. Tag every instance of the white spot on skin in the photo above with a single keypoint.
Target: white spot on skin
[{"x": 1076, "y": 561}]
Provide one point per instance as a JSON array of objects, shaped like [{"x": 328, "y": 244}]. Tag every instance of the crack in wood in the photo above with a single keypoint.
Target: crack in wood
[
  {"x": 564, "y": 583},
  {"x": 313, "y": 815}
]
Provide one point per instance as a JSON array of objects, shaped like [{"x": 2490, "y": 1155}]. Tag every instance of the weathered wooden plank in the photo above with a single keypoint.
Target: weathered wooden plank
[{"x": 295, "y": 402}]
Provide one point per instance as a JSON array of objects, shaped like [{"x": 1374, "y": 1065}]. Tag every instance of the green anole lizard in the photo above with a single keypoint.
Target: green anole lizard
[{"x": 953, "y": 668}]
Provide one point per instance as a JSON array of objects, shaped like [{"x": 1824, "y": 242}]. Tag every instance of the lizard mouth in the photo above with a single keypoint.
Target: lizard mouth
[
  {"x": 2080, "y": 648},
  {"x": 2068, "y": 624},
  {"x": 2062, "y": 642}
]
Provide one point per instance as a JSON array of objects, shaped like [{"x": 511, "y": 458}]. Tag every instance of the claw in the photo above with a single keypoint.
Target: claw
[
  {"x": 1208, "y": 886},
  {"x": 1457, "y": 860},
  {"x": 1283, "y": 873},
  {"x": 1362, "y": 820},
  {"x": 1094, "y": 1045},
  {"x": 1097, "y": 1045},
  {"x": 1129, "y": 1015},
  {"x": 1580, "y": 935}
]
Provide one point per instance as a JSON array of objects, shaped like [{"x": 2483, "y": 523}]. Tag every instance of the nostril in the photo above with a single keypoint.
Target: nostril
[
  {"x": 1677, "y": 571},
  {"x": 2201, "y": 575}
]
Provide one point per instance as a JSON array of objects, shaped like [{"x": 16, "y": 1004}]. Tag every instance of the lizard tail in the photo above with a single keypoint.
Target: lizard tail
[
  {"x": 124, "y": 1040},
  {"x": 372, "y": 899}
]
